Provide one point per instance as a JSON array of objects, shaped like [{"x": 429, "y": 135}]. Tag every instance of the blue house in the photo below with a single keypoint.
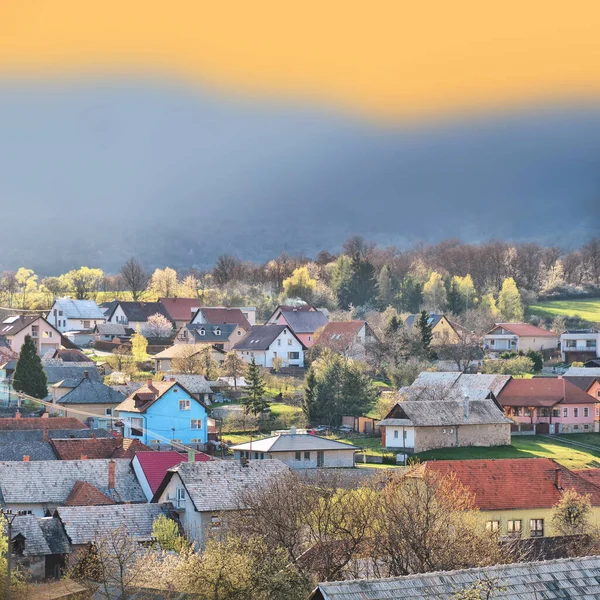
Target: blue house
[{"x": 164, "y": 411}]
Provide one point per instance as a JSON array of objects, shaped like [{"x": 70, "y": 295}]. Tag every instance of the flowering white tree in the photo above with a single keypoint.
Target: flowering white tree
[{"x": 158, "y": 326}]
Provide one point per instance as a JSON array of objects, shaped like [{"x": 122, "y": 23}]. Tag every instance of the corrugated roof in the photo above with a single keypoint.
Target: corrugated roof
[
  {"x": 562, "y": 579},
  {"x": 78, "y": 309},
  {"x": 293, "y": 443}
]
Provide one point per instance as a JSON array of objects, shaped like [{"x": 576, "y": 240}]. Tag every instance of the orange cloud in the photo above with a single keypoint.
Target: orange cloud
[{"x": 386, "y": 56}]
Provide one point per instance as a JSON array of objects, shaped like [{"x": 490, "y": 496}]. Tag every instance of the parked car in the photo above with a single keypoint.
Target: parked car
[{"x": 345, "y": 429}]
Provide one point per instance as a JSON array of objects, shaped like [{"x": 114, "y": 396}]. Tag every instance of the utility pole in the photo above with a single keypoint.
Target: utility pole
[{"x": 9, "y": 521}]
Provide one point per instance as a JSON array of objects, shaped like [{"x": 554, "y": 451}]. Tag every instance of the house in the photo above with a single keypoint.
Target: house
[
  {"x": 40, "y": 546},
  {"x": 64, "y": 356},
  {"x": 304, "y": 323},
  {"x": 579, "y": 345},
  {"x": 349, "y": 338},
  {"x": 38, "y": 487},
  {"x": 13, "y": 448},
  {"x": 85, "y": 525},
  {"x": 75, "y": 315},
  {"x": 95, "y": 448},
  {"x": 267, "y": 342},
  {"x": 108, "y": 332},
  {"x": 202, "y": 493},
  {"x": 46, "y": 337},
  {"x": 573, "y": 578},
  {"x": 151, "y": 467},
  {"x": 552, "y": 404},
  {"x": 92, "y": 397},
  {"x": 519, "y": 337},
  {"x": 181, "y": 310},
  {"x": 197, "y": 385},
  {"x": 299, "y": 451},
  {"x": 420, "y": 425},
  {"x": 455, "y": 385},
  {"x": 516, "y": 496},
  {"x": 222, "y": 315},
  {"x": 134, "y": 314},
  {"x": 164, "y": 411},
  {"x": 587, "y": 379},
  {"x": 443, "y": 329},
  {"x": 222, "y": 337},
  {"x": 62, "y": 378}
]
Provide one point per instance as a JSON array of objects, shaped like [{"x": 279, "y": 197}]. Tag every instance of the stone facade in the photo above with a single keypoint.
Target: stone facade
[{"x": 431, "y": 438}]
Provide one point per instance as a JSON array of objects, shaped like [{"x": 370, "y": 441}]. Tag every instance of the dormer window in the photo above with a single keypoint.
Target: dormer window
[
  {"x": 217, "y": 331},
  {"x": 202, "y": 332}
]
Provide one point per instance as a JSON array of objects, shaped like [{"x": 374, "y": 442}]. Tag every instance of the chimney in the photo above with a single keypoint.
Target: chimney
[
  {"x": 244, "y": 461},
  {"x": 111, "y": 475},
  {"x": 558, "y": 479},
  {"x": 467, "y": 406},
  {"x": 93, "y": 436},
  {"x": 17, "y": 415},
  {"x": 83, "y": 457},
  {"x": 25, "y": 458},
  {"x": 191, "y": 456},
  {"x": 293, "y": 430},
  {"x": 45, "y": 415},
  {"x": 86, "y": 375},
  {"x": 149, "y": 382},
  {"x": 45, "y": 436}
]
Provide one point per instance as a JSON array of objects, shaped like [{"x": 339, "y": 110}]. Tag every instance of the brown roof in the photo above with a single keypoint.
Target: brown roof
[
  {"x": 94, "y": 448},
  {"x": 85, "y": 494},
  {"x": 181, "y": 309},
  {"x": 515, "y": 483},
  {"x": 220, "y": 315},
  {"x": 338, "y": 335},
  {"x": 524, "y": 330},
  {"x": 542, "y": 391},
  {"x": 20, "y": 424}
]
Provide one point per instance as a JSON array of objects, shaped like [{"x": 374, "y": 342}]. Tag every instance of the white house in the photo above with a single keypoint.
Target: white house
[
  {"x": 580, "y": 345},
  {"x": 134, "y": 314},
  {"x": 515, "y": 337},
  {"x": 75, "y": 315},
  {"x": 267, "y": 342},
  {"x": 204, "y": 493},
  {"x": 299, "y": 451}
]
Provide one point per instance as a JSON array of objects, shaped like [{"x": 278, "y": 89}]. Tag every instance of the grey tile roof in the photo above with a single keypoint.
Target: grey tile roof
[
  {"x": 92, "y": 392},
  {"x": 37, "y": 435},
  {"x": 139, "y": 311},
  {"x": 218, "y": 484},
  {"x": 43, "y": 536},
  {"x": 71, "y": 372},
  {"x": 305, "y": 321},
  {"x": 39, "y": 482},
  {"x": 85, "y": 524},
  {"x": 117, "y": 329},
  {"x": 260, "y": 337},
  {"x": 475, "y": 386},
  {"x": 571, "y": 578},
  {"x": 78, "y": 309},
  {"x": 14, "y": 450},
  {"x": 194, "y": 384},
  {"x": 204, "y": 332},
  {"x": 582, "y": 372},
  {"x": 423, "y": 413},
  {"x": 293, "y": 443}
]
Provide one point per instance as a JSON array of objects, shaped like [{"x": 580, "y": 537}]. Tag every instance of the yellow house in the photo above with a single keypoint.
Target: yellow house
[
  {"x": 516, "y": 496},
  {"x": 442, "y": 328}
]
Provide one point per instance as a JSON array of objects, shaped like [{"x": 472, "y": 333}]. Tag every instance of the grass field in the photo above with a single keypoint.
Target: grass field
[
  {"x": 525, "y": 447},
  {"x": 586, "y": 308}
]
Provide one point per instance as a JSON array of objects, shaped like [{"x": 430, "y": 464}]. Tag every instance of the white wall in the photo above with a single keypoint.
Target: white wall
[
  {"x": 331, "y": 458},
  {"x": 391, "y": 441},
  {"x": 280, "y": 348},
  {"x": 141, "y": 477}
]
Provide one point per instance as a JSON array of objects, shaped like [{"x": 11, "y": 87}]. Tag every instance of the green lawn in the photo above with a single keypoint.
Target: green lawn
[
  {"x": 586, "y": 308},
  {"x": 278, "y": 409},
  {"x": 524, "y": 447},
  {"x": 593, "y": 439}
]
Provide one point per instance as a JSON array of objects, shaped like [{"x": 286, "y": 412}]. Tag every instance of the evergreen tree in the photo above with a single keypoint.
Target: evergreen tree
[
  {"x": 310, "y": 395},
  {"x": 385, "y": 286},
  {"x": 425, "y": 329},
  {"x": 363, "y": 284},
  {"x": 30, "y": 377},
  {"x": 455, "y": 304},
  {"x": 255, "y": 400},
  {"x": 410, "y": 295}
]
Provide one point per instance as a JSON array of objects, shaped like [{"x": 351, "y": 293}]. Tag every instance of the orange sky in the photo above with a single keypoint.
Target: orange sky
[{"x": 390, "y": 56}]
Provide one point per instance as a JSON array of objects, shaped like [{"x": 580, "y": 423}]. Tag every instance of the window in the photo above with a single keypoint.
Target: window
[
  {"x": 196, "y": 441},
  {"x": 526, "y": 411},
  {"x": 239, "y": 332},
  {"x": 86, "y": 324},
  {"x": 307, "y": 455},
  {"x": 215, "y": 522},
  {"x": 492, "y": 525},
  {"x": 571, "y": 343},
  {"x": 202, "y": 332},
  {"x": 180, "y": 495},
  {"x": 298, "y": 455},
  {"x": 565, "y": 412},
  {"x": 60, "y": 313},
  {"x": 309, "y": 338},
  {"x": 517, "y": 411},
  {"x": 575, "y": 412},
  {"x": 586, "y": 412},
  {"x": 544, "y": 412},
  {"x": 184, "y": 405},
  {"x": 395, "y": 434},
  {"x": 293, "y": 355},
  {"x": 47, "y": 334},
  {"x": 256, "y": 455},
  {"x": 556, "y": 412},
  {"x": 514, "y": 528},
  {"x": 35, "y": 331},
  {"x": 536, "y": 527},
  {"x": 196, "y": 424},
  {"x": 274, "y": 354},
  {"x": 289, "y": 341},
  {"x": 108, "y": 412},
  {"x": 137, "y": 426},
  {"x": 279, "y": 342},
  {"x": 153, "y": 442}
]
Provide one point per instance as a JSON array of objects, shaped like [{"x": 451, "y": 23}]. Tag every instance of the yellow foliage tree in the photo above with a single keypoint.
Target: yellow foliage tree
[
  {"x": 300, "y": 285},
  {"x": 139, "y": 344}
]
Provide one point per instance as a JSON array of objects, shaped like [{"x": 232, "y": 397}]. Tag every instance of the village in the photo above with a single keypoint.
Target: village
[{"x": 164, "y": 431}]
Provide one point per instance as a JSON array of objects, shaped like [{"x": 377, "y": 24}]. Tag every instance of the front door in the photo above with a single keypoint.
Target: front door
[{"x": 320, "y": 458}]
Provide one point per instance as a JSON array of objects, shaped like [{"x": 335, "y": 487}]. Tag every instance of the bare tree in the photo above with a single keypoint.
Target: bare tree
[
  {"x": 135, "y": 278},
  {"x": 188, "y": 360},
  {"x": 158, "y": 326}
]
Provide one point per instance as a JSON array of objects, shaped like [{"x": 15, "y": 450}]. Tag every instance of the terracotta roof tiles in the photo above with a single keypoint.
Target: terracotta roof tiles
[{"x": 85, "y": 494}]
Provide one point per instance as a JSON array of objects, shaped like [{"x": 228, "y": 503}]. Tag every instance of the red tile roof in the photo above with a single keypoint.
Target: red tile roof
[
  {"x": 29, "y": 423},
  {"x": 338, "y": 335},
  {"x": 542, "y": 391},
  {"x": 85, "y": 494},
  {"x": 515, "y": 483},
  {"x": 591, "y": 475},
  {"x": 94, "y": 448},
  {"x": 156, "y": 464},
  {"x": 525, "y": 330},
  {"x": 220, "y": 315},
  {"x": 180, "y": 309}
]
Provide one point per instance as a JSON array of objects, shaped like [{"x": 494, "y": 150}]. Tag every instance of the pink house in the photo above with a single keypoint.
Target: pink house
[
  {"x": 553, "y": 404},
  {"x": 15, "y": 329},
  {"x": 304, "y": 321}
]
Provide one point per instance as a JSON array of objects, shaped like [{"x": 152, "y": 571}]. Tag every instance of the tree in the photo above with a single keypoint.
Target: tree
[
  {"x": 462, "y": 351},
  {"x": 85, "y": 282},
  {"x": 424, "y": 328},
  {"x": 509, "y": 302},
  {"x": 167, "y": 534},
  {"x": 466, "y": 292},
  {"x": 309, "y": 400},
  {"x": 300, "y": 285},
  {"x": 139, "y": 344},
  {"x": 234, "y": 366},
  {"x": 121, "y": 358},
  {"x": 164, "y": 282},
  {"x": 135, "y": 278},
  {"x": 227, "y": 268},
  {"x": 517, "y": 366},
  {"x": 158, "y": 326},
  {"x": 362, "y": 287},
  {"x": 30, "y": 377},
  {"x": 188, "y": 360},
  {"x": 571, "y": 515},
  {"x": 255, "y": 401},
  {"x": 208, "y": 365},
  {"x": 488, "y": 303},
  {"x": 26, "y": 285},
  {"x": 537, "y": 358},
  {"x": 410, "y": 295},
  {"x": 434, "y": 293},
  {"x": 385, "y": 287}
]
